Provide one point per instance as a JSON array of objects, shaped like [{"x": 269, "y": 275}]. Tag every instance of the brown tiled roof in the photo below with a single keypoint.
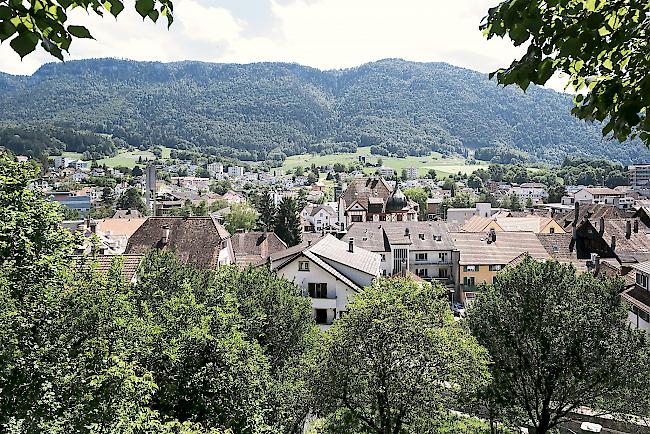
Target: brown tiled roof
[
  {"x": 602, "y": 191},
  {"x": 628, "y": 250},
  {"x": 251, "y": 248},
  {"x": 103, "y": 263},
  {"x": 361, "y": 189},
  {"x": 479, "y": 224},
  {"x": 196, "y": 240},
  {"x": 120, "y": 226},
  {"x": 474, "y": 248},
  {"x": 593, "y": 213},
  {"x": 638, "y": 297}
]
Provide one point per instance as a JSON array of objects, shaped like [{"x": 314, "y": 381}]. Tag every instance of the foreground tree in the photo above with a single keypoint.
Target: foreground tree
[
  {"x": 46, "y": 21},
  {"x": 557, "y": 340},
  {"x": 602, "y": 45},
  {"x": 132, "y": 199},
  {"x": 266, "y": 210},
  {"x": 287, "y": 225},
  {"x": 395, "y": 360}
]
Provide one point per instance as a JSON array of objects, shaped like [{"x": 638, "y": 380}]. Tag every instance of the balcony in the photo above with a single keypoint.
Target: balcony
[
  {"x": 323, "y": 303},
  {"x": 432, "y": 261},
  {"x": 469, "y": 288}
]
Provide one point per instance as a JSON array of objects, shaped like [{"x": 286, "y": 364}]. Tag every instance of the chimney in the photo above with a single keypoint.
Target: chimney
[
  {"x": 613, "y": 243},
  {"x": 636, "y": 226},
  {"x": 351, "y": 245},
  {"x": 628, "y": 229},
  {"x": 165, "y": 234},
  {"x": 577, "y": 214},
  {"x": 601, "y": 228},
  {"x": 308, "y": 243}
]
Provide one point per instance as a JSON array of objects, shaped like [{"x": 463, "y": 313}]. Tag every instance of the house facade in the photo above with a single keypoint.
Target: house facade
[
  {"x": 329, "y": 271},
  {"x": 424, "y": 248},
  {"x": 638, "y": 297}
]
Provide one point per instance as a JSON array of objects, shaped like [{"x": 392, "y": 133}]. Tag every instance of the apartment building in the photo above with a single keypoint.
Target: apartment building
[
  {"x": 598, "y": 195},
  {"x": 424, "y": 248},
  {"x": 638, "y": 297},
  {"x": 639, "y": 176},
  {"x": 483, "y": 255}
]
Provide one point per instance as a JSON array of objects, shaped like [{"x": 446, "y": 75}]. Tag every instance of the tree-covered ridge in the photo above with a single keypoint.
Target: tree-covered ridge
[{"x": 269, "y": 110}]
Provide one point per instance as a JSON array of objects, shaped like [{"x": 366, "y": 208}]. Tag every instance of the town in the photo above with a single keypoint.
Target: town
[{"x": 333, "y": 229}]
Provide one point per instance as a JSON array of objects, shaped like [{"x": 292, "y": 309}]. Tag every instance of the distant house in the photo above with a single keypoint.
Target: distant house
[
  {"x": 598, "y": 195},
  {"x": 531, "y": 223},
  {"x": 200, "y": 241},
  {"x": 236, "y": 171},
  {"x": 329, "y": 271},
  {"x": 321, "y": 218},
  {"x": 70, "y": 200},
  {"x": 254, "y": 248}
]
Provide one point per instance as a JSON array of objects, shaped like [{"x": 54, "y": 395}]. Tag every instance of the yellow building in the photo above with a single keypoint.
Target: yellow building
[{"x": 483, "y": 255}]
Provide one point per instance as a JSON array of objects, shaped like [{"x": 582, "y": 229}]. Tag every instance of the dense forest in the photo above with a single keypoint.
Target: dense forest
[{"x": 265, "y": 111}]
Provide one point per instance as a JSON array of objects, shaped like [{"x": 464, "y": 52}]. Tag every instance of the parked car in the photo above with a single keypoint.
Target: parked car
[{"x": 458, "y": 310}]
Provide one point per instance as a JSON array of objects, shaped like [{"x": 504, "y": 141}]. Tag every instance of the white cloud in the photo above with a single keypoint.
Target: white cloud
[{"x": 320, "y": 33}]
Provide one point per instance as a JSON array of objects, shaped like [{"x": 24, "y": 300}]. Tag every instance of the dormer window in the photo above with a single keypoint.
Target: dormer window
[
  {"x": 421, "y": 236},
  {"x": 303, "y": 265}
]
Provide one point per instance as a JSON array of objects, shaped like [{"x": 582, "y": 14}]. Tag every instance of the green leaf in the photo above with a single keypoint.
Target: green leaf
[
  {"x": 79, "y": 32},
  {"x": 144, "y": 7},
  {"x": 153, "y": 15},
  {"x": 24, "y": 43},
  {"x": 6, "y": 30},
  {"x": 114, "y": 7},
  {"x": 5, "y": 13}
]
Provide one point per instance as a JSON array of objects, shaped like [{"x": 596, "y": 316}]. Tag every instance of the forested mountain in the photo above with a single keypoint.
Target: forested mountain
[{"x": 268, "y": 110}]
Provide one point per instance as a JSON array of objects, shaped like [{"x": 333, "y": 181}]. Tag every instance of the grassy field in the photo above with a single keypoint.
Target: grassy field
[{"x": 442, "y": 166}]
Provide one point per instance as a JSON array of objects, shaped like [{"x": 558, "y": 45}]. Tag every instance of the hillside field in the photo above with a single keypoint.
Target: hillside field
[{"x": 442, "y": 166}]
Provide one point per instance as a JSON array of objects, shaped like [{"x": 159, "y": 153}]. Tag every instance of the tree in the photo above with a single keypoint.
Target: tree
[
  {"x": 432, "y": 174},
  {"x": 108, "y": 197},
  {"x": 287, "y": 224},
  {"x": 299, "y": 171},
  {"x": 515, "y": 204},
  {"x": 266, "y": 210},
  {"x": 419, "y": 195},
  {"x": 396, "y": 360},
  {"x": 601, "y": 45},
  {"x": 529, "y": 203},
  {"x": 556, "y": 193},
  {"x": 404, "y": 175},
  {"x": 131, "y": 198},
  {"x": 312, "y": 178},
  {"x": 301, "y": 199},
  {"x": 557, "y": 340},
  {"x": 30, "y": 25},
  {"x": 474, "y": 182},
  {"x": 241, "y": 217}
]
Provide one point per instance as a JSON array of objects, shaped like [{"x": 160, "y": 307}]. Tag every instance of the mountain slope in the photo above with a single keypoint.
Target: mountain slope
[{"x": 265, "y": 110}]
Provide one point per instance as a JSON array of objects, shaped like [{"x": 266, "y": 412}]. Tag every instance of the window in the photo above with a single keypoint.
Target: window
[
  {"x": 442, "y": 257},
  {"x": 494, "y": 280},
  {"x": 468, "y": 281},
  {"x": 443, "y": 272},
  {"x": 383, "y": 272},
  {"x": 321, "y": 316},
  {"x": 382, "y": 218},
  {"x": 383, "y": 257},
  {"x": 421, "y": 236},
  {"x": 420, "y": 256},
  {"x": 642, "y": 280},
  {"x": 551, "y": 230},
  {"x": 303, "y": 265},
  {"x": 470, "y": 268},
  {"x": 318, "y": 290},
  {"x": 399, "y": 217},
  {"x": 357, "y": 219},
  {"x": 496, "y": 267}
]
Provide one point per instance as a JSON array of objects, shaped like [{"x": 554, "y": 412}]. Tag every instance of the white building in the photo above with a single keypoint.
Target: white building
[
  {"x": 386, "y": 172},
  {"x": 236, "y": 171},
  {"x": 534, "y": 191},
  {"x": 412, "y": 172},
  {"x": 639, "y": 176},
  {"x": 322, "y": 217},
  {"x": 425, "y": 248},
  {"x": 329, "y": 271},
  {"x": 215, "y": 169},
  {"x": 462, "y": 215},
  {"x": 599, "y": 195},
  {"x": 638, "y": 297}
]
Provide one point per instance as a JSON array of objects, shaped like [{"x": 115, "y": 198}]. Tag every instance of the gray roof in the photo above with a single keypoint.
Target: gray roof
[
  {"x": 378, "y": 237},
  {"x": 330, "y": 248}
]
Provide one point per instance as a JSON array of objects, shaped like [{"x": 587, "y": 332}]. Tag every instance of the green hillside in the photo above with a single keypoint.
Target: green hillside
[{"x": 272, "y": 110}]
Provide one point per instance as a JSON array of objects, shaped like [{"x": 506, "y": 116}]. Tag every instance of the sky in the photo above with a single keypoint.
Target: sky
[{"x": 326, "y": 34}]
